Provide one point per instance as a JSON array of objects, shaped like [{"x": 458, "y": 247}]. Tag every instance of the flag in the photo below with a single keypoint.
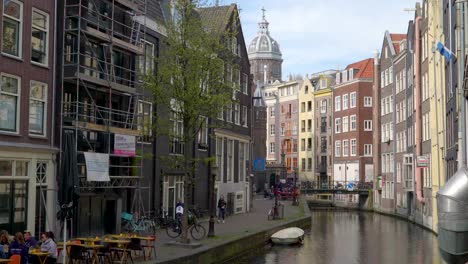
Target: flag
[{"x": 445, "y": 51}]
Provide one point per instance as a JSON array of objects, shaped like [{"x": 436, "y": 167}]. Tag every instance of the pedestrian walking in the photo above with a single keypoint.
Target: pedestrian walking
[{"x": 222, "y": 208}]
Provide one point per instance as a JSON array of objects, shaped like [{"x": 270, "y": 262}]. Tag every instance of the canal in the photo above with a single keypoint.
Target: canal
[{"x": 355, "y": 237}]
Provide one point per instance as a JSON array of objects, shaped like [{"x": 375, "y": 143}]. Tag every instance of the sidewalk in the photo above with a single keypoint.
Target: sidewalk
[{"x": 235, "y": 226}]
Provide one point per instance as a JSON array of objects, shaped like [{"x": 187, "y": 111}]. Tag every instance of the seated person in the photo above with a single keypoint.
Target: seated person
[
  {"x": 29, "y": 240},
  {"x": 48, "y": 244},
  {"x": 4, "y": 242},
  {"x": 18, "y": 247}
]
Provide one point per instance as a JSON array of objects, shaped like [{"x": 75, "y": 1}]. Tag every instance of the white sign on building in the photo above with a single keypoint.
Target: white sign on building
[
  {"x": 124, "y": 145},
  {"x": 97, "y": 167}
]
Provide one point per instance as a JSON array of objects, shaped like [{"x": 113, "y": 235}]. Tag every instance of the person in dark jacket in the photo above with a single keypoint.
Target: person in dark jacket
[
  {"x": 29, "y": 240},
  {"x": 18, "y": 247},
  {"x": 221, "y": 208}
]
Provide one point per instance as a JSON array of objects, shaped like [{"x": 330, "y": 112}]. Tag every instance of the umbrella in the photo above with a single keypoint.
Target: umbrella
[{"x": 69, "y": 185}]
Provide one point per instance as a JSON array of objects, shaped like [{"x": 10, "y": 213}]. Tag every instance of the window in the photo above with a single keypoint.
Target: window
[
  {"x": 272, "y": 130},
  {"x": 145, "y": 120},
  {"x": 390, "y": 74},
  {"x": 221, "y": 114},
  {"x": 230, "y": 159},
  {"x": 345, "y": 148},
  {"x": 229, "y": 113},
  {"x": 245, "y": 83},
  {"x": 244, "y": 120},
  {"x": 12, "y": 27},
  {"x": 309, "y": 125},
  {"x": 345, "y": 101},
  {"x": 303, "y": 164},
  {"x": 37, "y": 108},
  {"x": 177, "y": 141},
  {"x": 306, "y": 89},
  {"x": 367, "y": 150},
  {"x": 352, "y": 100},
  {"x": 337, "y": 103},
  {"x": 9, "y": 102},
  {"x": 147, "y": 61},
  {"x": 309, "y": 144},
  {"x": 337, "y": 125},
  {"x": 309, "y": 106},
  {"x": 203, "y": 133},
  {"x": 294, "y": 128},
  {"x": 302, "y": 107},
  {"x": 345, "y": 124},
  {"x": 353, "y": 123},
  {"x": 282, "y": 129},
  {"x": 353, "y": 147},
  {"x": 272, "y": 111},
  {"x": 237, "y": 114},
  {"x": 337, "y": 148},
  {"x": 303, "y": 126},
  {"x": 367, "y": 125},
  {"x": 309, "y": 164},
  {"x": 303, "y": 144},
  {"x": 39, "y": 37},
  {"x": 272, "y": 147},
  {"x": 219, "y": 156},
  {"x": 323, "y": 108},
  {"x": 242, "y": 158}
]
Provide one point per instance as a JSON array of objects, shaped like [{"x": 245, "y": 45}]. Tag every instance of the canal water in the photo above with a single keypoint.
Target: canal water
[{"x": 355, "y": 237}]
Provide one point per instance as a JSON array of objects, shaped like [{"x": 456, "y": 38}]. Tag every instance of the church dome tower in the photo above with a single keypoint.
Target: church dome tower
[{"x": 264, "y": 55}]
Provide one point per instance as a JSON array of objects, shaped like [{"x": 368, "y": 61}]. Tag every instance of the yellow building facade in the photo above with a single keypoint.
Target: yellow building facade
[{"x": 436, "y": 80}]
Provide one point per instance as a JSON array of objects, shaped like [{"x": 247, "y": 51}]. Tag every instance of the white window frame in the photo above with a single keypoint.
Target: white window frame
[
  {"x": 323, "y": 106},
  {"x": 345, "y": 148},
  {"x": 230, "y": 160},
  {"x": 353, "y": 147},
  {"x": 245, "y": 84},
  {"x": 272, "y": 131},
  {"x": 220, "y": 157},
  {"x": 345, "y": 101},
  {"x": 142, "y": 62},
  {"x": 18, "y": 102},
  {"x": 20, "y": 33},
  {"x": 337, "y": 103},
  {"x": 245, "y": 116},
  {"x": 203, "y": 133},
  {"x": 367, "y": 125},
  {"x": 368, "y": 150},
  {"x": 352, "y": 100},
  {"x": 352, "y": 122},
  {"x": 345, "y": 124},
  {"x": 47, "y": 32},
  {"x": 44, "y": 102},
  {"x": 272, "y": 147},
  {"x": 237, "y": 114},
  {"x": 367, "y": 101},
  {"x": 337, "y": 125},
  {"x": 338, "y": 148}
]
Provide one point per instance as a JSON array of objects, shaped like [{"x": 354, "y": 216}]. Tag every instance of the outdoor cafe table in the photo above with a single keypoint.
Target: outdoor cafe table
[
  {"x": 89, "y": 240},
  {"x": 42, "y": 256},
  {"x": 94, "y": 248},
  {"x": 122, "y": 244},
  {"x": 5, "y": 261}
]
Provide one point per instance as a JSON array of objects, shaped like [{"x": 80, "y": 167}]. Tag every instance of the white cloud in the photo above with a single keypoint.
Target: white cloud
[{"x": 320, "y": 34}]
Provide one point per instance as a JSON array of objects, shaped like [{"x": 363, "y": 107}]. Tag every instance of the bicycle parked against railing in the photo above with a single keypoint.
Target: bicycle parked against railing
[
  {"x": 197, "y": 231},
  {"x": 131, "y": 223}
]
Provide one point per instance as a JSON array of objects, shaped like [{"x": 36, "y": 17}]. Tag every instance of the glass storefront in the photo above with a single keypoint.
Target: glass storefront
[{"x": 13, "y": 205}]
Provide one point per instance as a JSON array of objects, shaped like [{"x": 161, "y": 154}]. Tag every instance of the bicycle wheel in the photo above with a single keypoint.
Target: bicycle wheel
[
  {"x": 197, "y": 231},
  {"x": 173, "y": 230}
]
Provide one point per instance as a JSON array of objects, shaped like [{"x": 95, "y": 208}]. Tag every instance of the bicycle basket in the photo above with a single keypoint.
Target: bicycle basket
[{"x": 126, "y": 216}]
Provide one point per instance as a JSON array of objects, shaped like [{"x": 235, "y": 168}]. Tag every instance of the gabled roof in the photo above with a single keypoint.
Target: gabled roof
[
  {"x": 216, "y": 17},
  {"x": 396, "y": 39},
  {"x": 366, "y": 68}
]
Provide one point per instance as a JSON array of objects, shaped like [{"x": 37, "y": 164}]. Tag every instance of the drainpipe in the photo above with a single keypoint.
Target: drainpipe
[
  {"x": 376, "y": 121},
  {"x": 417, "y": 106}
]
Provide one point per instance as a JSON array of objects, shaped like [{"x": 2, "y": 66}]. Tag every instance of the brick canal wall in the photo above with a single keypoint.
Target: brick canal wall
[{"x": 242, "y": 245}]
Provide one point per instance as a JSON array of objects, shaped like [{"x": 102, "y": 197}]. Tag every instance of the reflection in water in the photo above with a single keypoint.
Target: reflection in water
[{"x": 357, "y": 237}]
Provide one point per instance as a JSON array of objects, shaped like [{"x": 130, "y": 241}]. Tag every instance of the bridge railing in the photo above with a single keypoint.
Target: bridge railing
[{"x": 336, "y": 185}]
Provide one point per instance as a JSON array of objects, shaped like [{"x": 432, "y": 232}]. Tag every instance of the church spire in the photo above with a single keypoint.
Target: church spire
[{"x": 263, "y": 25}]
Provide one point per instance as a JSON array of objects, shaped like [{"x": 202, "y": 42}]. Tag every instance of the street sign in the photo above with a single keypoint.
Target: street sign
[
  {"x": 259, "y": 164},
  {"x": 422, "y": 161},
  {"x": 350, "y": 186}
]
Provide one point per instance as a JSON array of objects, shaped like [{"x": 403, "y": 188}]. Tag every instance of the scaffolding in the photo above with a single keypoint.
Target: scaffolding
[{"x": 100, "y": 94}]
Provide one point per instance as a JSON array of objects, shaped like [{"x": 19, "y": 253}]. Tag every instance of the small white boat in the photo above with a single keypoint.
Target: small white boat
[{"x": 288, "y": 236}]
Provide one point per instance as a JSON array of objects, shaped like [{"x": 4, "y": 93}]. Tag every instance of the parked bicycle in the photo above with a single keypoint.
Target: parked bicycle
[
  {"x": 197, "y": 231},
  {"x": 130, "y": 223}
]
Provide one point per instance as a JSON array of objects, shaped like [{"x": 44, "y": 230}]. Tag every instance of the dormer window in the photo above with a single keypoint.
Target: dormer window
[
  {"x": 345, "y": 75},
  {"x": 351, "y": 74},
  {"x": 338, "y": 78}
]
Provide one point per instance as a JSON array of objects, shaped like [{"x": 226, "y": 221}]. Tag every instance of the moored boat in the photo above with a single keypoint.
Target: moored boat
[{"x": 288, "y": 236}]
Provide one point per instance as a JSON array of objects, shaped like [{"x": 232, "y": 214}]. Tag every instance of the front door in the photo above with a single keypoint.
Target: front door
[{"x": 13, "y": 204}]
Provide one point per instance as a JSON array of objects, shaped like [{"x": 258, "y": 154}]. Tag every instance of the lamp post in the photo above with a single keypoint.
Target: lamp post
[{"x": 214, "y": 172}]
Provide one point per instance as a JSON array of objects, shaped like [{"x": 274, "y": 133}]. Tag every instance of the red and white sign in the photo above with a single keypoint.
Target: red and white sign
[
  {"x": 422, "y": 162},
  {"x": 124, "y": 145}
]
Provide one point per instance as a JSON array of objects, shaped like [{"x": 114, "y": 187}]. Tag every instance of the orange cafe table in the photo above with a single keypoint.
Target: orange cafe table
[{"x": 42, "y": 256}]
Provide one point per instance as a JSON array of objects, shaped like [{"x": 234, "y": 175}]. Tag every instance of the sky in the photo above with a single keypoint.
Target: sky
[{"x": 316, "y": 35}]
